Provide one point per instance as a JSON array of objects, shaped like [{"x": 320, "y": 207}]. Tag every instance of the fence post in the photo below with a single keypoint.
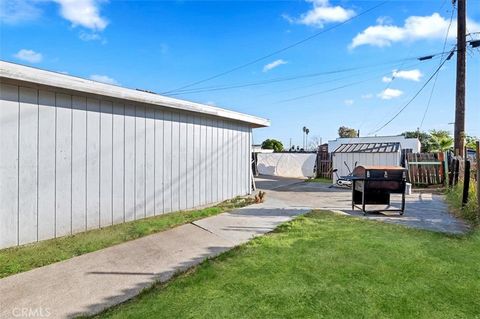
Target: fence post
[
  {"x": 466, "y": 182},
  {"x": 456, "y": 172},
  {"x": 451, "y": 171},
  {"x": 446, "y": 175}
]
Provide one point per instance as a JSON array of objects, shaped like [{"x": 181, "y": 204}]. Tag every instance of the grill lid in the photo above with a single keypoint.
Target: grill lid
[{"x": 379, "y": 172}]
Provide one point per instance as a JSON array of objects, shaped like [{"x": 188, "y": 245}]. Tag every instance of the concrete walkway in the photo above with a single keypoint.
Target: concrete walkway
[
  {"x": 90, "y": 283},
  {"x": 424, "y": 211}
]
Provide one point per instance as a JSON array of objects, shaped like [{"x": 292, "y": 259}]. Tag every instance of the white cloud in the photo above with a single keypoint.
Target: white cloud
[
  {"x": 84, "y": 13},
  {"x": 273, "y": 65},
  {"x": 103, "y": 79},
  {"x": 211, "y": 103},
  {"x": 89, "y": 36},
  {"x": 387, "y": 79},
  {"x": 29, "y": 56},
  {"x": 389, "y": 94},
  {"x": 414, "y": 28},
  {"x": 321, "y": 13},
  {"x": 411, "y": 75},
  {"x": 18, "y": 11},
  {"x": 349, "y": 102},
  {"x": 367, "y": 96}
]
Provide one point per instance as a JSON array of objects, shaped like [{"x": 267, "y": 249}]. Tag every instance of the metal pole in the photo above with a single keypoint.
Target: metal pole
[{"x": 459, "y": 134}]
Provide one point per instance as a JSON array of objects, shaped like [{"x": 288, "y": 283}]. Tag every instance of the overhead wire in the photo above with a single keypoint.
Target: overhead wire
[
  {"x": 295, "y": 77},
  {"x": 277, "y": 51},
  {"x": 436, "y": 76},
  {"x": 281, "y": 79},
  {"x": 416, "y": 94},
  {"x": 338, "y": 88}
]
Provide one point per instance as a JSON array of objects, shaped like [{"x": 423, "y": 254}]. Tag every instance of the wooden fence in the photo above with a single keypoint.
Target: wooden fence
[
  {"x": 425, "y": 168},
  {"x": 324, "y": 163}
]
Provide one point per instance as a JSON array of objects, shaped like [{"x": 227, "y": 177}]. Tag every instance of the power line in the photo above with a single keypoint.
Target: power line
[
  {"x": 391, "y": 81},
  {"x": 276, "y": 80},
  {"x": 416, "y": 94},
  {"x": 277, "y": 51},
  {"x": 323, "y": 82},
  {"x": 332, "y": 89},
  {"x": 337, "y": 88},
  {"x": 436, "y": 76},
  {"x": 296, "y": 77}
]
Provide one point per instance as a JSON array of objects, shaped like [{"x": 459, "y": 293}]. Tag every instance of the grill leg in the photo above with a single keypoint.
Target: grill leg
[
  {"x": 353, "y": 195},
  {"x": 403, "y": 203},
  {"x": 363, "y": 201}
]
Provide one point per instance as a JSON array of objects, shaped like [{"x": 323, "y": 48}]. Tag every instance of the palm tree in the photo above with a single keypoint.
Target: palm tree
[{"x": 440, "y": 141}]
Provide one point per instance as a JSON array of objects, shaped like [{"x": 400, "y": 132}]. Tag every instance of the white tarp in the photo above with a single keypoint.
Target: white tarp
[{"x": 287, "y": 164}]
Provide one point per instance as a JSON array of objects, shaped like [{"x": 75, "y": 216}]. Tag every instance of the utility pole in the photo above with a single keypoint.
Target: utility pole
[{"x": 459, "y": 134}]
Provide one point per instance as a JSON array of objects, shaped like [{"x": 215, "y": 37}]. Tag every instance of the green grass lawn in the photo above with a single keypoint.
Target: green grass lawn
[
  {"x": 326, "y": 266},
  {"x": 319, "y": 180},
  {"x": 23, "y": 258}
]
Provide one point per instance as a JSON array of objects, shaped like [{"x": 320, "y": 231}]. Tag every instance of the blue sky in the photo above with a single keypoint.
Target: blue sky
[{"x": 164, "y": 45}]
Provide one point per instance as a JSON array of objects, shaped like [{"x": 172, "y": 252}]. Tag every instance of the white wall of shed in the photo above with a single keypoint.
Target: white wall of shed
[
  {"x": 286, "y": 164},
  {"x": 339, "y": 160},
  {"x": 73, "y": 162}
]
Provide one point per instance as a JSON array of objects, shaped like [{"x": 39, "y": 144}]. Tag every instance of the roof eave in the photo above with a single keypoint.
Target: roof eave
[{"x": 33, "y": 75}]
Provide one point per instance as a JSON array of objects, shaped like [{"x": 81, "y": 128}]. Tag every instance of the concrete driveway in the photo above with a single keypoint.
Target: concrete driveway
[{"x": 425, "y": 211}]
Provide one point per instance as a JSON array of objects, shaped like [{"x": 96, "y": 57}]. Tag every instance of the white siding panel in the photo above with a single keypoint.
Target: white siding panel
[
  {"x": 203, "y": 161},
  {"x": 167, "y": 161},
  {"x": 175, "y": 178},
  {"x": 196, "y": 161},
  {"x": 9, "y": 116},
  {"x": 230, "y": 168},
  {"x": 215, "y": 161},
  {"x": 224, "y": 153},
  {"x": 118, "y": 165},
  {"x": 190, "y": 191},
  {"x": 159, "y": 194},
  {"x": 69, "y": 163},
  {"x": 79, "y": 163},
  {"x": 46, "y": 165},
  {"x": 243, "y": 161},
  {"x": 236, "y": 154},
  {"x": 106, "y": 161},
  {"x": 208, "y": 162},
  {"x": 183, "y": 142},
  {"x": 140, "y": 162},
  {"x": 150, "y": 162},
  {"x": 64, "y": 165},
  {"x": 129, "y": 163},
  {"x": 28, "y": 165},
  {"x": 93, "y": 163}
]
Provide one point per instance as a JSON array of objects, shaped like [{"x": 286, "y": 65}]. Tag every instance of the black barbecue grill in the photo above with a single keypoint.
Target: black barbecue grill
[{"x": 372, "y": 185}]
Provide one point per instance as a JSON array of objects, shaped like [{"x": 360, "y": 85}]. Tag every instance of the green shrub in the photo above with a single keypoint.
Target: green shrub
[{"x": 470, "y": 212}]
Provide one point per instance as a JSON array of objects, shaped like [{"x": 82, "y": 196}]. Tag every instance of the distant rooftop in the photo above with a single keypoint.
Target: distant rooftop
[{"x": 368, "y": 148}]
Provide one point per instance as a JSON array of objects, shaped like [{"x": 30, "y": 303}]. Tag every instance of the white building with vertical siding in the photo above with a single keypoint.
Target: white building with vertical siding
[{"x": 77, "y": 154}]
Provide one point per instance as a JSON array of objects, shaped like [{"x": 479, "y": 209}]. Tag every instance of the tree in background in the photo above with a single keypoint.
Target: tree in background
[
  {"x": 272, "y": 144},
  {"x": 440, "y": 141},
  {"x": 423, "y": 137},
  {"x": 470, "y": 141},
  {"x": 344, "y": 131}
]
